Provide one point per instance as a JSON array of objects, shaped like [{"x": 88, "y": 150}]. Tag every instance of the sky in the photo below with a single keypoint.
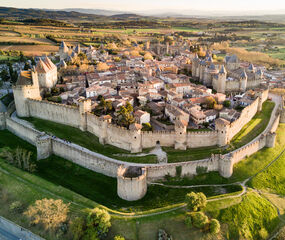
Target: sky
[{"x": 154, "y": 5}]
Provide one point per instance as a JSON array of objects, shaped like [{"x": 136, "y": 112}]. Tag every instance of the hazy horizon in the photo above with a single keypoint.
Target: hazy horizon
[{"x": 180, "y": 6}]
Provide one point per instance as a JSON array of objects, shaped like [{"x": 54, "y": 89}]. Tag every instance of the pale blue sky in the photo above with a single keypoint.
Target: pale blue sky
[{"x": 128, "y": 5}]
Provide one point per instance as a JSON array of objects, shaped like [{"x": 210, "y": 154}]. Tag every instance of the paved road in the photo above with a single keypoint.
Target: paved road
[{"x": 4, "y": 235}]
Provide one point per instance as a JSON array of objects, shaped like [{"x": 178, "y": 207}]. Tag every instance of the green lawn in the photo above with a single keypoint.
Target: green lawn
[
  {"x": 254, "y": 127},
  {"x": 244, "y": 168},
  {"x": 273, "y": 178},
  {"x": 93, "y": 185},
  {"x": 87, "y": 140},
  {"x": 247, "y": 218},
  {"x": 9, "y": 58}
]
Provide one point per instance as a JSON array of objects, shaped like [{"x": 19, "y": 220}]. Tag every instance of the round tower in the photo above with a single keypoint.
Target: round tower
[
  {"x": 131, "y": 183},
  {"x": 222, "y": 77}
]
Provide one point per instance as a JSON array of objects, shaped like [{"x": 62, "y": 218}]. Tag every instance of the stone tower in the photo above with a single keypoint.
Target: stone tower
[
  {"x": 221, "y": 83},
  {"x": 243, "y": 81},
  {"x": 47, "y": 73},
  {"x": 84, "y": 108},
  {"x": 26, "y": 87},
  {"x": 180, "y": 134},
  {"x": 222, "y": 126},
  {"x": 136, "y": 145},
  {"x": 195, "y": 66},
  {"x": 63, "y": 51}
]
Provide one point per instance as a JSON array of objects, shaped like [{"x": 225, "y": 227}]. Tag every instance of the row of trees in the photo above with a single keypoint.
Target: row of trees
[
  {"x": 52, "y": 214},
  {"x": 196, "y": 202}
]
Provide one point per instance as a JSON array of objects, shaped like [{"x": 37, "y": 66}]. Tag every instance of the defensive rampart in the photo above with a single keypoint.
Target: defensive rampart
[{"x": 47, "y": 145}]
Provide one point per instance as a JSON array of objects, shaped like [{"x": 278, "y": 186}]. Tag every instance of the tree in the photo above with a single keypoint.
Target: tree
[
  {"x": 148, "y": 56},
  {"x": 196, "y": 201},
  {"x": 13, "y": 74},
  {"x": 19, "y": 157},
  {"x": 227, "y": 103},
  {"x": 27, "y": 66},
  {"x": 49, "y": 212},
  {"x": 125, "y": 116},
  {"x": 146, "y": 127},
  {"x": 214, "y": 226},
  {"x": 105, "y": 106},
  {"x": 101, "y": 67},
  {"x": 98, "y": 223},
  {"x": 4, "y": 75},
  {"x": 210, "y": 101},
  {"x": 77, "y": 227},
  {"x": 199, "y": 219},
  {"x": 22, "y": 58}
]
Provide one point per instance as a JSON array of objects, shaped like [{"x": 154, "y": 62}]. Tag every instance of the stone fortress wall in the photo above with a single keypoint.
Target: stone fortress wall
[
  {"x": 135, "y": 140},
  {"x": 47, "y": 145}
]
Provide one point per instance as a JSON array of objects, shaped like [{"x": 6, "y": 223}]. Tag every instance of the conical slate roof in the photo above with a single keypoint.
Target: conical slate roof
[
  {"x": 223, "y": 70},
  {"x": 259, "y": 71},
  {"x": 251, "y": 67},
  {"x": 77, "y": 48},
  {"x": 243, "y": 74},
  {"x": 212, "y": 66},
  {"x": 63, "y": 46}
]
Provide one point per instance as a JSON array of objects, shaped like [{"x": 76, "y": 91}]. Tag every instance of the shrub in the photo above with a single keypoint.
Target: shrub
[
  {"x": 199, "y": 219},
  {"x": 119, "y": 238},
  {"x": 188, "y": 221},
  {"x": 263, "y": 233},
  {"x": 227, "y": 103},
  {"x": 16, "y": 207},
  {"x": 93, "y": 226},
  {"x": 196, "y": 201},
  {"x": 214, "y": 226},
  {"x": 51, "y": 213}
]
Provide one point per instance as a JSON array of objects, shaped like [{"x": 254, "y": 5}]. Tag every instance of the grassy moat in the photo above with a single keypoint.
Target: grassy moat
[{"x": 58, "y": 178}]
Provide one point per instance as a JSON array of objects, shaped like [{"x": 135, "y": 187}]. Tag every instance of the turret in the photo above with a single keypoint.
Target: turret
[
  {"x": 136, "y": 145},
  {"x": 222, "y": 77},
  {"x": 26, "y": 87},
  {"x": 222, "y": 126},
  {"x": 251, "y": 68},
  {"x": 77, "y": 49},
  {"x": 195, "y": 66},
  {"x": 84, "y": 108},
  {"x": 243, "y": 81},
  {"x": 63, "y": 50},
  {"x": 180, "y": 134},
  {"x": 258, "y": 74}
]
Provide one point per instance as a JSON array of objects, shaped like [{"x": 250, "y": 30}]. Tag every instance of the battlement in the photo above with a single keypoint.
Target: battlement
[
  {"x": 53, "y": 103},
  {"x": 204, "y": 133}
]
